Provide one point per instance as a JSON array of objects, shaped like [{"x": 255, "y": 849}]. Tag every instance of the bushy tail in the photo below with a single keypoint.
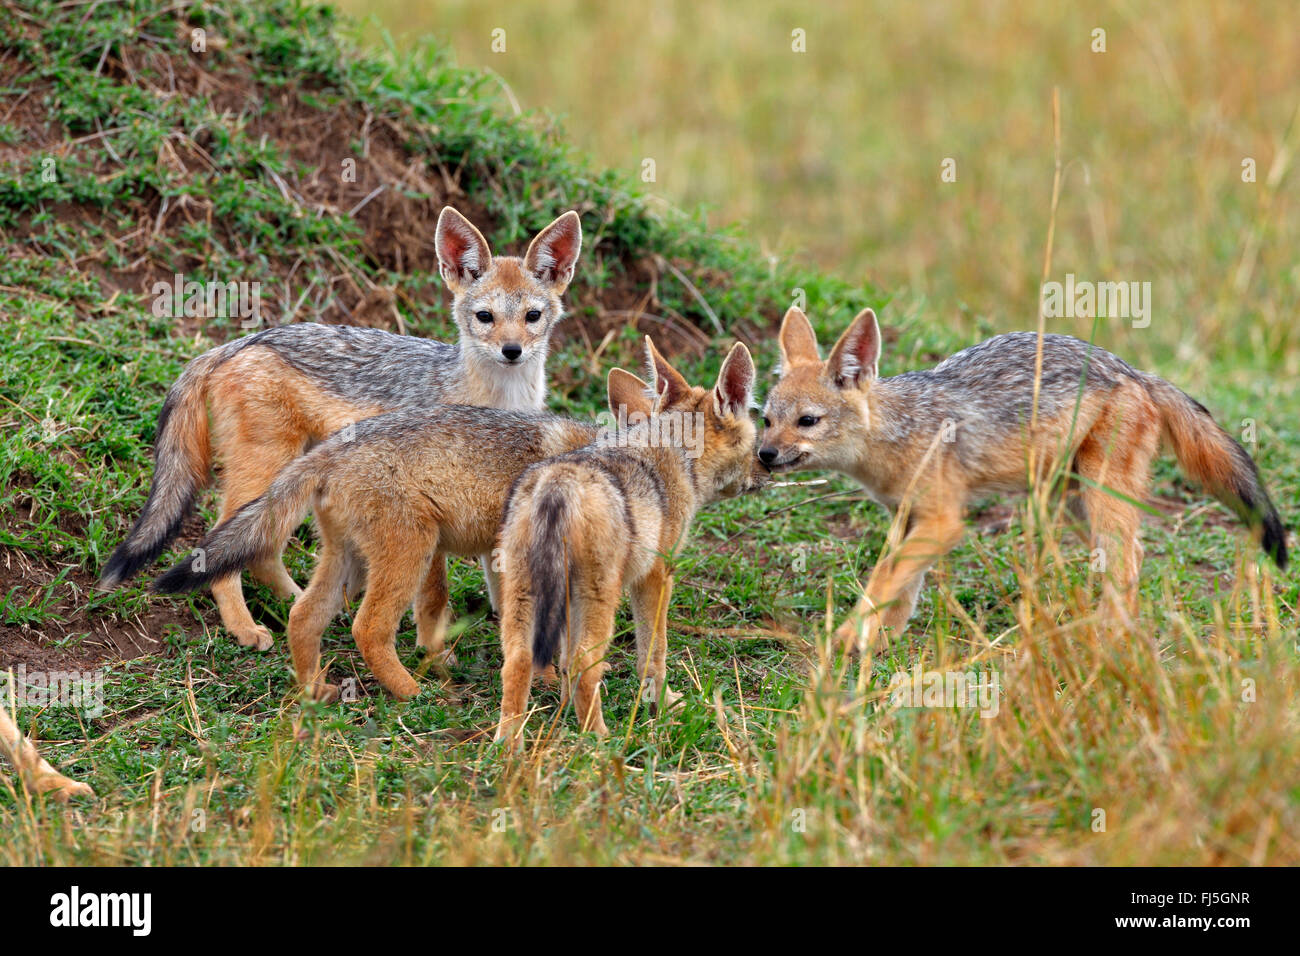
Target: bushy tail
[
  {"x": 1212, "y": 457},
  {"x": 182, "y": 459},
  {"x": 253, "y": 532},
  {"x": 551, "y": 572}
]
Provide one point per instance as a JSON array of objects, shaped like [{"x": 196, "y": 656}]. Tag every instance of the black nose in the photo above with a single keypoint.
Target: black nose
[
  {"x": 767, "y": 455},
  {"x": 512, "y": 351}
]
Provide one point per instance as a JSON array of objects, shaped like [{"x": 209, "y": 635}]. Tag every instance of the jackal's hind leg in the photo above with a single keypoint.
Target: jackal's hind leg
[
  {"x": 432, "y": 616},
  {"x": 1117, "y": 553},
  {"x": 246, "y": 474},
  {"x": 272, "y": 572},
  {"x": 588, "y": 665},
  {"x": 517, "y": 669},
  {"x": 1115, "y": 458},
  {"x": 354, "y": 573},
  {"x": 312, "y": 613},
  {"x": 650, "y": 597}
]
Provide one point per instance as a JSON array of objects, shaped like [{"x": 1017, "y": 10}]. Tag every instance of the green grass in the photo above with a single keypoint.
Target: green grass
[{"x": 779, "y": 753}]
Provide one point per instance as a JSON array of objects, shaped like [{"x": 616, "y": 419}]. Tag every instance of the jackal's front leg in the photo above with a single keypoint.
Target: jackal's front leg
[
  {"x": 38, "y": 773},
  {"x": 892, "y": 588},
  {"x": 650, "y": 597}
]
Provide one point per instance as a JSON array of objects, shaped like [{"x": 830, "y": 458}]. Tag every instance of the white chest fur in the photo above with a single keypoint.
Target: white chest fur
[{"x": 495, "y": 385}]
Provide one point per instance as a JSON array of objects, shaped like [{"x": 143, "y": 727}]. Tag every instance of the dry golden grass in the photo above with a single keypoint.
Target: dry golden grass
[
  {"x": 835, "y": 153},
  {"x": 1185, "y": 743}
]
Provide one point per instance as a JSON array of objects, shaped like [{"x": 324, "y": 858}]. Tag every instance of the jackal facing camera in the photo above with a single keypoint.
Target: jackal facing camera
[{"x": 256, "y": 403}]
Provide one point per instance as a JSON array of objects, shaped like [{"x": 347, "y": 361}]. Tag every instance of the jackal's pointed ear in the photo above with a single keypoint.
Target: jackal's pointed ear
[
  {"x": 628, "y": 392},
  {"x": 735, "y": 389},
  {"x": 856, "y": 356},
  {"x": 797, "y": 340},
  {"x": 669, "y": 386},
  {"x": 554, "y": 251},
  {"x": 463, "y": 253}
]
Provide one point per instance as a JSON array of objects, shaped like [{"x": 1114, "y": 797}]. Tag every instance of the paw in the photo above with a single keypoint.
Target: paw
[
  {"x": 322, "y": 693},
  {"x": 1119, "y": 610},
  {"x": 431, "y": 637},
  {"x": 61, "y": 788},
  {"x": 650, "y": 697},
  {"x": 856, "y": 636},
  {"x": 256, "y": 637},
  {"x": 548, "y": 676},
  {"x": 289, "y": 592},
  {"x": 439, "y": 654},
  {"x": 512, "y": 738},
  {"x": 403, "y": 688}
]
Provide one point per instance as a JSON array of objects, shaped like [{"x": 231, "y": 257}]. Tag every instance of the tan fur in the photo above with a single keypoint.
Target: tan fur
[
  {"x": 403, "y": 509},
  {"x": 35, "y": 770},
  {"x": 619, "y": 536},
  {"x": 265, "y": 413},
  {"x": 1109, "y": 439}
]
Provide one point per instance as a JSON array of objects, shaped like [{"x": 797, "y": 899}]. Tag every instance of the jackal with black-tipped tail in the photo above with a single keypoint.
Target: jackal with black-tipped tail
[
  {"x": 399, "y": 492},
  {"x": 933, "y": 440},
  {"x": 256, "y": 403},
  {"x": 583, "y": 527}
]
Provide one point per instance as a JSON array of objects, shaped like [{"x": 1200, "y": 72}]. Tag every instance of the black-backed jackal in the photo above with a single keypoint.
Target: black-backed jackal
[
  {"x": 256, "y": 403},
  {"x": 582, "y": 528},
  {"x": 399, "y": 491},
  {"x": 939, "y": 438}
]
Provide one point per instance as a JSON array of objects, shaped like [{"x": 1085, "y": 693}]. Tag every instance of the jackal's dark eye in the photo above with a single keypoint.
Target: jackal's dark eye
[
  {"x": 483, "y": 316},
  {"x": 808, "y": 421},
  {"x": 533, "y": 315},
  {"x": 767, "y": 422}
]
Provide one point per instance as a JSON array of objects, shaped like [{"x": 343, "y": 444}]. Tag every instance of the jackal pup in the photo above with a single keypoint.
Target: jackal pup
[
  {"x": 401, "y": 491},
  {"x": 941, "y": 437},
  {"x": 273, "y": 394},
  {"x": 581, "y": 527}
]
